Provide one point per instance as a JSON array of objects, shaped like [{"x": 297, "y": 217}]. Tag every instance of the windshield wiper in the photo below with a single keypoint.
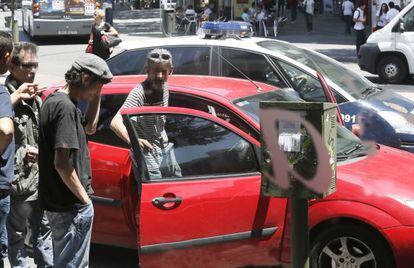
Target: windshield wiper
[
  {"x": 370, "y": 90},
  {"x": 353, "y": 149}
]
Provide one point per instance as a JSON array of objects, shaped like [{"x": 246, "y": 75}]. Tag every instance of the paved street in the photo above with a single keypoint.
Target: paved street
[{"x": 56, "y": 55}]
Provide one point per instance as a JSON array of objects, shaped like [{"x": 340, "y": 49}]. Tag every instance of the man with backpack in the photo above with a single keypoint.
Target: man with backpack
[{"x": 359, "y": 19}]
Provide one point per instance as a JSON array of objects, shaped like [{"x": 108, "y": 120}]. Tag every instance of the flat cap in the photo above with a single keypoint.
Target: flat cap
[{"x": 95, "y": 65}]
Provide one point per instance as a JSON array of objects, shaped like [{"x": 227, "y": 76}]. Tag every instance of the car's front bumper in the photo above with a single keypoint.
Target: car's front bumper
[
  {"x": 401, "y": 240},
  {"x": 367, "y": 56}
]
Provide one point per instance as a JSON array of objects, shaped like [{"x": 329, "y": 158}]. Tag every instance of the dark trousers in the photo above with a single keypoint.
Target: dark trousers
[
  {"x": 360, "y": 39},
  {"x": 293, "y": 13},
  {"x": 348, "y": 23},
  {"x": 308, "y": 19}
]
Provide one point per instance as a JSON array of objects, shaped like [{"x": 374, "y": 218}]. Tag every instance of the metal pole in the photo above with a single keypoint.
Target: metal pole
[
  {"x": 14, "y": 23},
  {"x": 300, "y": 232}
]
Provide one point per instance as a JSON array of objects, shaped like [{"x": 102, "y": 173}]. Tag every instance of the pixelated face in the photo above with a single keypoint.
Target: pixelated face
[
  {"x": 92, "y": 87},
  {"x": 25, "y": 70},
  {"x": 158, "y": 72}
]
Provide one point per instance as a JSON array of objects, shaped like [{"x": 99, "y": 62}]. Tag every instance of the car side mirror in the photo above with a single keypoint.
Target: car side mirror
[{"x": 401, "y": 27}]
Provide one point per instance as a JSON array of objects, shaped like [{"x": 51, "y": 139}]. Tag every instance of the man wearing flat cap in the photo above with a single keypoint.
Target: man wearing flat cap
[
  {"x": 64, "y": 160},
  {"x": 158, "y": 151}
]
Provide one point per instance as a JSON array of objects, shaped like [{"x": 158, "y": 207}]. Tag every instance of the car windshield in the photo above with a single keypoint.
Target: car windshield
[
  {"x": 348, "y": 80},
  {"x": 348, "y": 145}
]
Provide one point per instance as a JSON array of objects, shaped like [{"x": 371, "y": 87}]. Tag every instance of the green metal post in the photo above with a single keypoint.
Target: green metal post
[{"x": 300, "y": 232}]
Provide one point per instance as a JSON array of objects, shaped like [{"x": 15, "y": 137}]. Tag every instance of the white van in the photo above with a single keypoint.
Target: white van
[{"x": 389, "y": 52}]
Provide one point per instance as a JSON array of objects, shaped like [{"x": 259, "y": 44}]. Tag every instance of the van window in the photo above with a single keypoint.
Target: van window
[{"x": 409, "y": 21}]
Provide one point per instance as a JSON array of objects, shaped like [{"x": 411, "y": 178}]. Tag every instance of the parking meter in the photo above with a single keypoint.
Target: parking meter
[
  {"x": 298, "y": 161},
  {"x": 300, "y": 149}
]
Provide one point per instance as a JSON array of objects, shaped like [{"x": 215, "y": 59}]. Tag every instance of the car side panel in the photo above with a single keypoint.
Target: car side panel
[{"x": 205, "y": 214}]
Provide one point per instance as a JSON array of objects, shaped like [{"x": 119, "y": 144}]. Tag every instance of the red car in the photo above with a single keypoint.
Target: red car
[{"x": 213, "y": 215}]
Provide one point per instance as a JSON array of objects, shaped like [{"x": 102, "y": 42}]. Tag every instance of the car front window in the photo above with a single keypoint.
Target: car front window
[
  {"x": 348, "y": 80},
  {"x": 348, "y": 145}
]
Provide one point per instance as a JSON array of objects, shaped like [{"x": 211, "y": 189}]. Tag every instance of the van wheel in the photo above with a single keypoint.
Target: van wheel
[
  {"x": 392, "y": 69},
  {"x": 350, "y": 245}
]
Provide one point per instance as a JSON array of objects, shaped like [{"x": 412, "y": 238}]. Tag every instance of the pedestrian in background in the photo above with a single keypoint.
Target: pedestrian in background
[
  {"x": 245, "y": 15},
  {"x": 100, "y": 28},
  {"x": 392, "y": 12},
  {"x": 64, "y": 159},
  {"x": 24, "y": 206},
  {"x": 359, "y": 19},
  {"x": 293, "y": 5},
  {"x": 280, "y": 7},
  {"x": 6, "y": 143},
  {"x": 309, "y": 8},
  {"x": 347, "y": 9},
  {"x": 381, "y": 16}
]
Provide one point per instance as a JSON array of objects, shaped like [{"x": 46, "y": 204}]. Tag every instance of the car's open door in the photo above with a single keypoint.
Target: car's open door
[{"x": 200, "y": 202}]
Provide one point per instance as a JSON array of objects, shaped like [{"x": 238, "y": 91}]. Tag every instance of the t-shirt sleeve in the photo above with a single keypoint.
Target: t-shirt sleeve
[
  {"x": 356, "y": 14},
  {"x": 6, "y": 108},
  {"x": 135, "y": 98},
  {"x": 66, "y": 128}
]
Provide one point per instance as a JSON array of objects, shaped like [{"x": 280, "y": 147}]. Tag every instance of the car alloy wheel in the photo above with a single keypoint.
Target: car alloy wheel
[
  {"x": 346, "y": 252},
  {"x": 391, "y": 70},
  {"x": 349, "y": 245}
]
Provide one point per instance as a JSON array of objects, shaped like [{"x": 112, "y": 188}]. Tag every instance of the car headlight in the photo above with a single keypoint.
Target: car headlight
[{"x": 398, "y": 122}]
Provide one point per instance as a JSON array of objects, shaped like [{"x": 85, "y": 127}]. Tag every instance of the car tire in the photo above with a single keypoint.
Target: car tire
[
  {"x": 392, "y": 69},
  {"x": 360, "y": 243}
]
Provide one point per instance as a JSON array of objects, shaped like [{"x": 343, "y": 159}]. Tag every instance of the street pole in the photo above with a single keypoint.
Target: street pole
[
  {"x": 300, "y": 232},
  {"x": 14, "y": 23}
]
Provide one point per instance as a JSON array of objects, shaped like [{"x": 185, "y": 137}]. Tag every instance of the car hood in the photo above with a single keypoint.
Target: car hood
[
  {"x": 386, "y": 100},
  {"x": 383, "y": 179}
]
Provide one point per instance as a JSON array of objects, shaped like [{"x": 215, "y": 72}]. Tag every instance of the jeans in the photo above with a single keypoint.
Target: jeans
[
  {"x": 20, "y": 212},
  {"x": 308, "y": 19},
  {"x": 71, "y": 232},
  {"x": 4, "y": 212},
  {"x": 348, "y": 23}
]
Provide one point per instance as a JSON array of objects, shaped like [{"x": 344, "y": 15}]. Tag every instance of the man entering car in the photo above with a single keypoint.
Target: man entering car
[{"x": 158, "y": 151}]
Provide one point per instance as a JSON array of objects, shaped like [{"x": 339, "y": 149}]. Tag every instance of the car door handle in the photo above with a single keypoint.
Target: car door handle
[{"x": 165, "y": 202}]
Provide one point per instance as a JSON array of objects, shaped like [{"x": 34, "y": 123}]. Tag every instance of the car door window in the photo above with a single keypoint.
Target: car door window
[
  {"x": 200, "y": 104},
  {"x": 128, "y": 62},
  {"x": 409, "y": 21},
  {"x": 308, "y": 87},
  {"x": 238, "y": 63},
  {"x": 190, "y": 60},
  {"x": 193, "y": 147}
]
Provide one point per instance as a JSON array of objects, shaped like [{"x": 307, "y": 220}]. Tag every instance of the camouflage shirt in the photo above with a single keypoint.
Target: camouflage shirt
[{"x": 26, "y": 125}]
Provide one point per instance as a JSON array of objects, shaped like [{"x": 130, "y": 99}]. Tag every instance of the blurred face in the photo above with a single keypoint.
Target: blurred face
[
  {"x": 97, "y": 17},
  {"x": 92, "y": 88},
  {"x": 158, "y": 74},
  {"x": 25, "y": 70},
  {"x": 384, "y": 7}
]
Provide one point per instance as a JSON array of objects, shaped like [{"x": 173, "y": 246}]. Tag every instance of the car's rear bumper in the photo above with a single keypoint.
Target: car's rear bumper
[
  {"x": 367, "y": 57},
  {"x": 48, "y": 27},
  {"x": 401, "y": 240}
]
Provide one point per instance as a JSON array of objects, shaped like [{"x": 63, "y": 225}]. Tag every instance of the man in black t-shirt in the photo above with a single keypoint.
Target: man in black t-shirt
[{"x": 64, "y": 160}]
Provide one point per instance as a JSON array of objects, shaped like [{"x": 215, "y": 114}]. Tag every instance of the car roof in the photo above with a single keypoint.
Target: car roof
[
  {"x": 211, "y": 87},
  {"x": 194, "y": 40}
]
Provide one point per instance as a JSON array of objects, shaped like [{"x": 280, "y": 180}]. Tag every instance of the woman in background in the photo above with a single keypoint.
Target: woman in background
[
  {"x": 382, "y": 16},
  {"x": 100, "y": 28}
]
